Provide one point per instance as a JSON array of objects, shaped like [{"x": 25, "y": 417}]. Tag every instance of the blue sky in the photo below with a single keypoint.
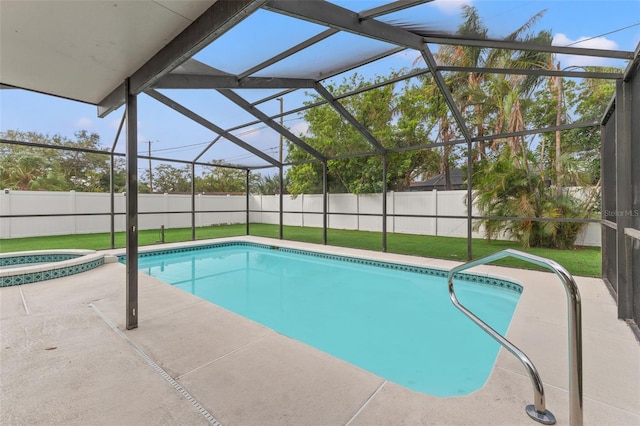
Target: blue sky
[{"x": 582, "y": 23}]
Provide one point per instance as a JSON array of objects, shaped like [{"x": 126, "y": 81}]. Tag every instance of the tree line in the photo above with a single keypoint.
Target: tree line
[{"x": 49, "y": 169}]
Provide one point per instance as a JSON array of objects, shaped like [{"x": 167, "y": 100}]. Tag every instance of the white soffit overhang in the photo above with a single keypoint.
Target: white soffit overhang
[{"x": 84, "y": 49}]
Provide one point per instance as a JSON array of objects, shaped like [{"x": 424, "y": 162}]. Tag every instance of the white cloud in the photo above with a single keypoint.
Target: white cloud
[
  {"x": 586, "y": 42},
  {"x": 561, "y": 39},
  {"x": 451, "y": 7},
  {"x": 83, "y": 123},
  {"x": 300, "y": 129}
]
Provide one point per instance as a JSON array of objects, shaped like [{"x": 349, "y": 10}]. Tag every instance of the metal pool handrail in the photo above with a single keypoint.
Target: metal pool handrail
[{"x": 537, "y": 411}]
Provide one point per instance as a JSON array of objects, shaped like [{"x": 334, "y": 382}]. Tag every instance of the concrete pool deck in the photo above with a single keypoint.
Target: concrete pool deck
[{"x": 65, "y": 358}]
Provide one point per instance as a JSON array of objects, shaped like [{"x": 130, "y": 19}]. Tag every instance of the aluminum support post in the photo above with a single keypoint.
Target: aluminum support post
[{"x": 132, "y": 209}]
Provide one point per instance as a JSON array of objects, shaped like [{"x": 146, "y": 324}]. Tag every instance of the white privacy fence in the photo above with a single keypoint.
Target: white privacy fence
[
  {"x": 363, "y": 212},
  {"x": 92, "y": 212},
  {"x": 346, "y": 211}
]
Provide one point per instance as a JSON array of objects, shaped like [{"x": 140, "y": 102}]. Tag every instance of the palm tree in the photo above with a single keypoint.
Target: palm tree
[
  {"x": 506, "y": 190},
  {"x": 467, "y": 86},
  {"x": 515, "y": 90},
  {"x": 268, "y": 184},
  {"x": 30, "y": 172},
  {"x": 489, "y": 100}
]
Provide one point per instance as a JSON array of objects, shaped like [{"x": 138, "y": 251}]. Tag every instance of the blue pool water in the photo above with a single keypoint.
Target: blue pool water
[{"x": 397, "y": 324}]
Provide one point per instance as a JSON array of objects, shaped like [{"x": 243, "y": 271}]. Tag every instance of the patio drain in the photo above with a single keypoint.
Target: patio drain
[{"x": 182, "y": 391}]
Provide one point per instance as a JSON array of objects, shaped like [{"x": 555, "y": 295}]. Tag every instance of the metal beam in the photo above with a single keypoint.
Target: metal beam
[
  {"x": 407, "y": 76},
  {"x": 500, "y": 136},
  {"x": 444, "y": 89},
  {"x": 194, "y": 66},
  {"x": 611, "y": 106},
  {"x": 47, "y": 146},
  {"x": 215, "y": 21},
  {"x": 209, "y": 125},
  {"x": 536, "y": 131},
  {"x": 281, "y": 201},
  {"x": 197, "y": 81},
  {"x": 520, "y": 45},
  {"x": 325, "y": 202},
  {"x": 207, "y": 148},
  {"x": 350, "y": 118},
  {"x": 469, "y": 201},
  {"x": 356, "y": 155},
  {"x": 258, "y": 167},
  {"x": 247, "y": 201},
  {"x": 271, "y": 97},
  {"x": 541, "y": 72},
  {"x": 623, "y": 193},
  {"x": 427, "y": 146},
  {"x": 633, "y": 233},
  {"x": 132, "y": 210},
  {"x": 112, "y": 101},
  {"x": 635, "y": 62},
  {"x": 112, "y": 203},
  {"x": 193, "y": 202},
  {"x": 112, "y": 164},
  {"x": 120, "y": 154},
  {"x": 197, "y": 163},
  {"x": 325, "y": 13},
  {"x": 295, "y": 49},
  {"x": 384, "y": 201},
  {"x": 242, "y": 103},
  {"x": 395, "y": 6},
  {"x": 229, "y": 165},
  {"x": 115, "y": 140}
]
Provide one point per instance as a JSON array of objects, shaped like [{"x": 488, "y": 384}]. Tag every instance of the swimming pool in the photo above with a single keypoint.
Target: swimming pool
[{"x": 394, "y": 320}]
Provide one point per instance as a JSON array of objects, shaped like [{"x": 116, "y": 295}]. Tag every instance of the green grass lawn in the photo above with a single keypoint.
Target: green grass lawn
[
  {"x": 584, "y": 261},
  {"x": 102, "y": 241}
]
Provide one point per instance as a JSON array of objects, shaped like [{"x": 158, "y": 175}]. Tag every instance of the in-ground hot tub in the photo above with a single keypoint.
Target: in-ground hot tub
[{"x": 40, "y": 265}]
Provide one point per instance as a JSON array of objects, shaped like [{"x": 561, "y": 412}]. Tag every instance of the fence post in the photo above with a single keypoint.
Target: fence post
[
  {"x": 393, "y": 212},
  {"x": 199, "y": 221},
  {"x": 166, "y": 220},
  {"x": 5, "y": 209},
  {"x": 193, "y": 201},
  {"x": 328, "y": 211},
  {"x": 357, "y": 212},
  {"x": 435, "y": 197},
  {"x": 73, "y": 210}
]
